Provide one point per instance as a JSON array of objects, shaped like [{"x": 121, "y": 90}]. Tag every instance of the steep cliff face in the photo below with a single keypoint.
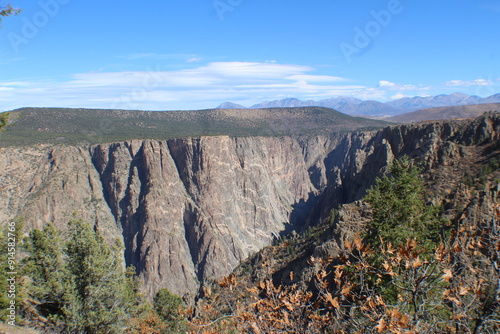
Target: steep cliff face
[
  {"x": 192, "y": 209},
  {"x": 359, "y": 158},
  {"x": 186, "y": 209}
]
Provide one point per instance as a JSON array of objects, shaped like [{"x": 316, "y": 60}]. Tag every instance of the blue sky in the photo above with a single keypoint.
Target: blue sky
[{"x": 195, "y": 54}]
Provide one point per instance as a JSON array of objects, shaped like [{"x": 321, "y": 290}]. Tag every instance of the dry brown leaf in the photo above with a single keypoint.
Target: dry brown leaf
[
  {"x": 390, "y": 249},
  {"x": 380, "y": 300},
  {"x": 440, "y": 252},
  {"x": 348, "y": 244},
  {"x": 404, "y": 320},
  {"x": 347, "y": 289},
  {"x": 463, "y": 290},
  {"x": 416, "y": 263},
  {"x": 455, "y": 300},
  {"x": 358, "y": 242},
  {"x": 253, "y": 290},
  {"x": 288, "y": 305},
  {"x": 386, "y": 266},
  {"x": 371, "y": 303},
  {"x": 255, "y": 328},
  {"x": 394, "y": 314},
  {"x": 448, "y": 275},
  {"x": 333, "y": 301},
  {"x": 381, "y": 325}
]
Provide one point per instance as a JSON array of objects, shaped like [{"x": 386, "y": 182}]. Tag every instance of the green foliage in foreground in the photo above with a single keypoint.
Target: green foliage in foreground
[
  {"x": 168, "y": 305},
  {"x": 81, "y": 285},
  {"x": 399, "y": 208},
  {"x": 76, "y": 280},
  {"x": 46, "y": 266}
]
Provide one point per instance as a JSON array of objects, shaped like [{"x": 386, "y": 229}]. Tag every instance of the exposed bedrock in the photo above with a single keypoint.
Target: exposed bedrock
[{"x": 188, "y": 210}]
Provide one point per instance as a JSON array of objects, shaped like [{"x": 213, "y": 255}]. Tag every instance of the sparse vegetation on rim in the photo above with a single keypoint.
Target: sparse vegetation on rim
[{"x": 71, "y": 126}]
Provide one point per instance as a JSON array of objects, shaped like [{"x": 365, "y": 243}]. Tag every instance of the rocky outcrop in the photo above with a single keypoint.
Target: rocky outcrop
[{"x": 192, "y": 209}]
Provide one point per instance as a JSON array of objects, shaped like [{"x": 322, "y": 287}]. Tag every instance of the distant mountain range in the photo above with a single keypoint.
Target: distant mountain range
[{"x": 353, "y": 106}]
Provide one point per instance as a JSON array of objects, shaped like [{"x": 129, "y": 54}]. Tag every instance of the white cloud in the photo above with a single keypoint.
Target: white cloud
[
  {"x": 199, "y": 87},
  {"x": 315, "y": 78},
  {"x": 461, "y": 83},
  {"x": 398, "y": 96},
  {"x": 401, "y": 87},
  {"x": 384, "y": 83},
  {"x": 194, "y": 60},
  {"x": 17, "y": 84}
]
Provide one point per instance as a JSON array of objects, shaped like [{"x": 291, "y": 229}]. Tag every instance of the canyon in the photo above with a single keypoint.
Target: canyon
[{"x": 190, "y": 210}]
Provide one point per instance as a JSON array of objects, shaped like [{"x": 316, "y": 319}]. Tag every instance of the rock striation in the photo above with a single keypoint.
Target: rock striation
[{"x": 191, "y": 209}]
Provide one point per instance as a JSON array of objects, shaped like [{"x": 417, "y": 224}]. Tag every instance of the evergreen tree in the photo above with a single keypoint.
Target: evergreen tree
[
  {"x": 96, "y": 299},
  {"x": 399, "y": 208},
  {"x": 400, "y": 218},
  {"x": 81, "y": 285},
  {"x": 47, "y": 269},
  {"x": 168, "y": 305}
]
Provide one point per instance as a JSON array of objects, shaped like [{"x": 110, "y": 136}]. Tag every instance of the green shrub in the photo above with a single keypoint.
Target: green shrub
[
  {"x": 399, "y": 208},
  {"x": 169, "y": 308}
]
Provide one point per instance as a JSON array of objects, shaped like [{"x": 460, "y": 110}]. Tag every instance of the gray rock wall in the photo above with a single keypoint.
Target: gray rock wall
[{"x": 191, "y": 209}]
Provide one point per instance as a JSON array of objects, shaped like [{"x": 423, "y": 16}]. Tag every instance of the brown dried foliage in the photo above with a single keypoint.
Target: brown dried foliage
[{"x": 455, "y": 289}]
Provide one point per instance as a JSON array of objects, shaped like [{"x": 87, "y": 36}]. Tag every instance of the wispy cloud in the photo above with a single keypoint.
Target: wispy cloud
[
  {"x": 399, "y": 96},
  {"x": 462, "y": 83},
  {"x": 401, "y": 87},
  {"x": 194, "y": 60},
  {"x": 197, "y": 87},
  {"x": 315, "y": 78},
  {"x": 399, "y": 90}
]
